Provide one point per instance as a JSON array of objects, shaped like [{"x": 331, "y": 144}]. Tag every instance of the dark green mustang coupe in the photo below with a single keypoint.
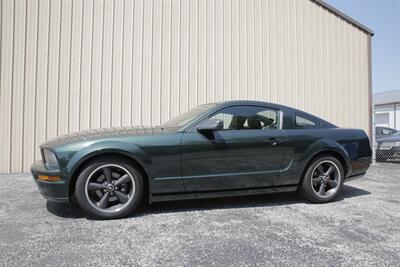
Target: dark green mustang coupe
[{"x": 221, "y": 149}]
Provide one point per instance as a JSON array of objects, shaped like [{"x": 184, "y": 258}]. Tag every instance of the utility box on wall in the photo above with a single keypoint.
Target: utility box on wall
[{"x": 73, "y": 65}]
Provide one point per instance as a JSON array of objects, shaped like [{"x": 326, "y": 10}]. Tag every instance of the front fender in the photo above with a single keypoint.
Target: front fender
[{"x": 110, "y": 146}]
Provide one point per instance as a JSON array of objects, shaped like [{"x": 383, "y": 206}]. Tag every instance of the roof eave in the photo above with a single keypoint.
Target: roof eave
[{"x": 344, "y": 16}]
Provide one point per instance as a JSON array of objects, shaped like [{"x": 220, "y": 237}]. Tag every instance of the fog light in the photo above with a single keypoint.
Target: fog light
[{"x": 49, "y": 178}]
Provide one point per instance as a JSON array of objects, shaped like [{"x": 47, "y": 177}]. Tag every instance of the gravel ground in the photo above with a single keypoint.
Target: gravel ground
[{"x": 361, "y": 228}]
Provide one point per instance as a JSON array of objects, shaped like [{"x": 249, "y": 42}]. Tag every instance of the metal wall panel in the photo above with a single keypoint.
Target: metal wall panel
[{"x": 73, "y": 65}]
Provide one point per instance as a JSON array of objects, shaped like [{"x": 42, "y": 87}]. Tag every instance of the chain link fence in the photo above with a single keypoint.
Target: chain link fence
[{"x": 385, "y": 136}]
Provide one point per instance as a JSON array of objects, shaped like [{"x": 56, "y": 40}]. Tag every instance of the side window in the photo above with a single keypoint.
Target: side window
[
  {"x": 385, "y": 131},
  {"x": 270, "y": 118},
  {"x": 225, "y": 118},
  {"x": 304, "y": 121},
  {"x": 248, "y": 118}
]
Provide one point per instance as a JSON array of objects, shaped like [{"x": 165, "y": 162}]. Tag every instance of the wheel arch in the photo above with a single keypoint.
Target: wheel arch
[
  {"x": 115, "y": 154},
  {"x": 328, "y": 152}
]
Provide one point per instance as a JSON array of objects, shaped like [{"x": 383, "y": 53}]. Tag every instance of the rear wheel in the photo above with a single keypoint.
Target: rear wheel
[
  {"x": 109, "y": 188},
  {"x": 323, "y": 180}
]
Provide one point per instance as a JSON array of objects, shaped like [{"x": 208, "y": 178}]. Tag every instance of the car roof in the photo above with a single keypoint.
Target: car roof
[
  {"x": 249, "y": 102},
  {"x": 264, "y": 103}
]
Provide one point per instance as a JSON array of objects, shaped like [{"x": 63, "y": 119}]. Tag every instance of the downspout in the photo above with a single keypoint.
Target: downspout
[{"x": 371, "y": 124}]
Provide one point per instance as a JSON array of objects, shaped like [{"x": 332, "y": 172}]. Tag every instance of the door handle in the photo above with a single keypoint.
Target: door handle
[{"x": 273, "y": 141}]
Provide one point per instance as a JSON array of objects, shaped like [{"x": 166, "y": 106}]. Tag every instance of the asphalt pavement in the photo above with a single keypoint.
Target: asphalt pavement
[{"x": 361, "y": 228}]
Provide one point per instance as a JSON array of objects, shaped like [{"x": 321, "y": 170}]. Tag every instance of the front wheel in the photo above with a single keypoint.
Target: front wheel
[
  {"x": 323, "y": 180},
  {"x": 109, "y": 188}
]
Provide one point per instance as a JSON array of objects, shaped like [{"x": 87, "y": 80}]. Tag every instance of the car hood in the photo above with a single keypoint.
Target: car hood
[
  {"x": 393, "y": 138},
  {"x": 103, "y": 133}
]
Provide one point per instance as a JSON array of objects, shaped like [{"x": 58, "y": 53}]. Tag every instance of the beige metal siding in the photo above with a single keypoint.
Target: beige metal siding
[{"x": 73, "y": 65}]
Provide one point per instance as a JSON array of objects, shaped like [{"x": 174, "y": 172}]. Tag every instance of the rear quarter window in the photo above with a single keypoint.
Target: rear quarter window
[{"x": 304, "y": 121}]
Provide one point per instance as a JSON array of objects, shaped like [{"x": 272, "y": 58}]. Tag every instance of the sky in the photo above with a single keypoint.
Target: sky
[{"x": 383, "y": 17}]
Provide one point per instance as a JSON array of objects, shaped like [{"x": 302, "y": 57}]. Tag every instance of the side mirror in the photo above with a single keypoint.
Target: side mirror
[{"x": 210, "y": 126}]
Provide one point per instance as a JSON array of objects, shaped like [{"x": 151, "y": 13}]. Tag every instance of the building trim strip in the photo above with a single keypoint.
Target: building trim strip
[{"x": 344, "y": 16}]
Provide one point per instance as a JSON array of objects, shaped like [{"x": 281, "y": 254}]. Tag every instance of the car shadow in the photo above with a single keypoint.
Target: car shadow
[
  {"x": 267, "y": 200},
  {"x": 65, "y": 210},
  {"x": 351, "y": 191}
]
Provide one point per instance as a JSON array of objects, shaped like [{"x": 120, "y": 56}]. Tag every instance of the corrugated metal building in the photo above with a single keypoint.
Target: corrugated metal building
[
  {"x": 72, "y": 65},
  {"x": 387, "y": 109}
]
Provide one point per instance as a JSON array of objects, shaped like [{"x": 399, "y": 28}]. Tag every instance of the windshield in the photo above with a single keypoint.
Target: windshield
[{"x": 187, "y": 116}]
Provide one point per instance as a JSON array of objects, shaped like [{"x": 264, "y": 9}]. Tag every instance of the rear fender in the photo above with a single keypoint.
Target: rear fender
[{"x": 326, "y": 145}]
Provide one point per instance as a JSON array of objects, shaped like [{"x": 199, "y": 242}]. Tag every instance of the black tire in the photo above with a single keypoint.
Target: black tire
[
  {"x": 332, "y": 188},
  {"x": 117, "y": 166}
]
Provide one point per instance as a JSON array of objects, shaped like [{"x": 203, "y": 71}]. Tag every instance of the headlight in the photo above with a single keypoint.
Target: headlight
[
  {"x": 397, "y": 144},
  {"x": 50, "y": 159}
]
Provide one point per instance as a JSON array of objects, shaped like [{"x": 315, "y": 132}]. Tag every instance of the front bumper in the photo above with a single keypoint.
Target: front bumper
[{"x": 56, "y": 191}]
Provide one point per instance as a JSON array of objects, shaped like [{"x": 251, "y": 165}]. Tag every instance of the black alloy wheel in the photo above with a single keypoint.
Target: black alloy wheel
[{"x": 109, "y": 189}]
